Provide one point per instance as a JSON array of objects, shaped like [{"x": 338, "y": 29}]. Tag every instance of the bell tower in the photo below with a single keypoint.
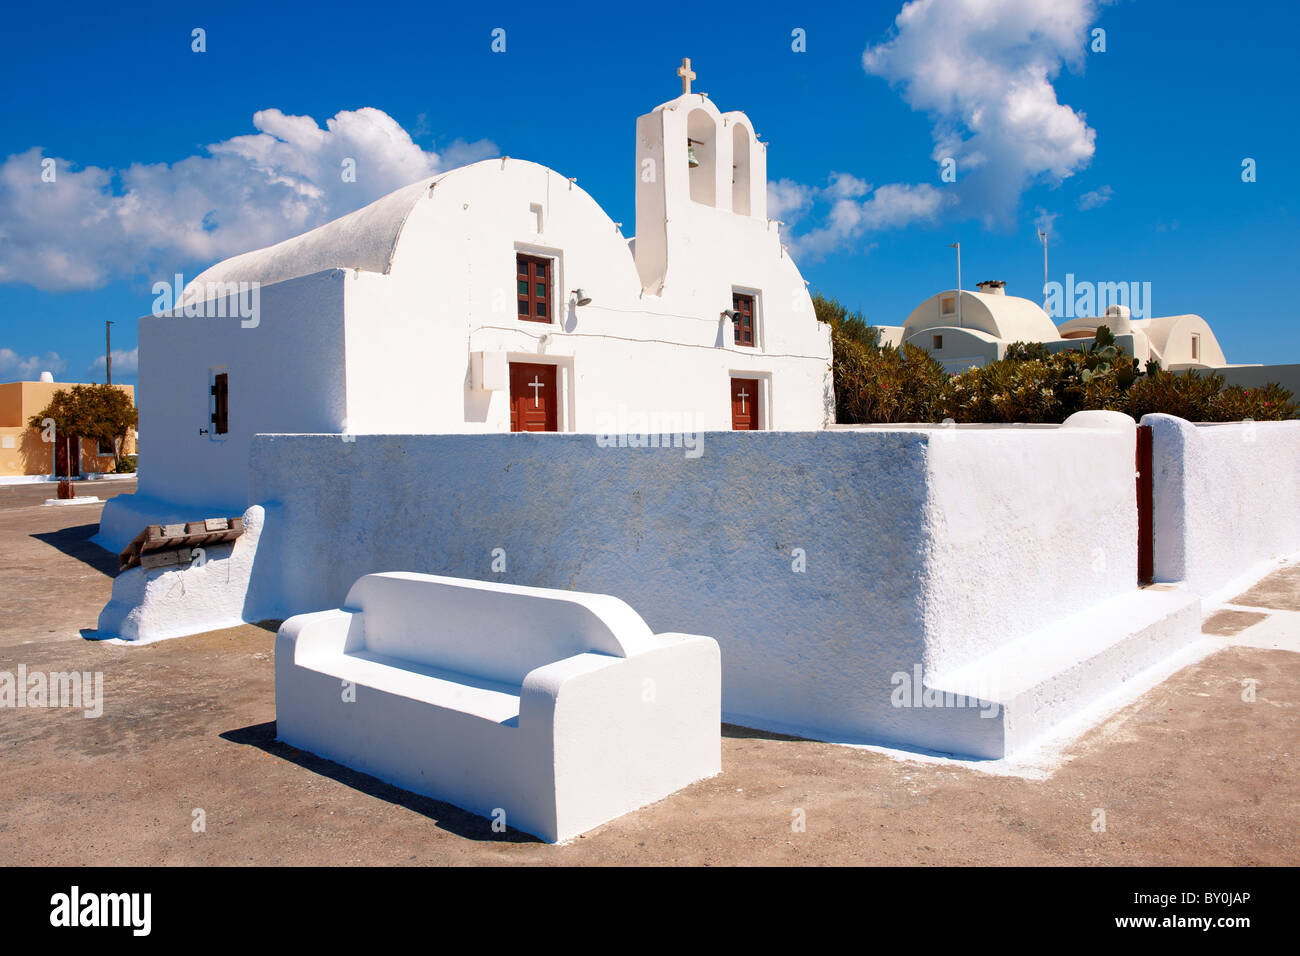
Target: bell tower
[{"x": 694, "y": 164}]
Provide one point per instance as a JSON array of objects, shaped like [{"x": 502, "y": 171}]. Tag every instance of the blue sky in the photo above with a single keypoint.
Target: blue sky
[{"x": 1133, "y": 155}]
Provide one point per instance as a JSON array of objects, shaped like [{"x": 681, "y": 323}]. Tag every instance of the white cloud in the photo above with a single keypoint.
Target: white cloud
[
  {"x": 124, "y": 363},
  {"x": 14, "y": 366},
  {"x": 853, "y": 208},
  {"x": 788, "y": 200},
  {"x": 1045, "y": 221},
  {"x": 983, "y": 70},
  {"x": 848, "y": 186},
  {"x": 1095, "y": 198},
  {"x": 92, "y": 225}
]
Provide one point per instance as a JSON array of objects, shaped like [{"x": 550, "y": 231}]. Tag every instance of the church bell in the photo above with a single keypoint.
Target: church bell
[{"x": 691, "y": 161}]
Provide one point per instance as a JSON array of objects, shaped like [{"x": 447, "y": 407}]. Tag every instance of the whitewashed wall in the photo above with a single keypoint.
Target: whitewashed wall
[
  {"x": 1227, "y": 500},
  {"x": 1027, "y": 525},
  {"x": 451, "y": 291},
  {"x": 363, "y": 351},
  {"x": 922, "y": 546},
  {"x": 285, "y": 373}
]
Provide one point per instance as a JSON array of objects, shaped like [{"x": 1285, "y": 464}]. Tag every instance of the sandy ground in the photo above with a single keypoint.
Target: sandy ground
[{"x": 1189, "y": 774}]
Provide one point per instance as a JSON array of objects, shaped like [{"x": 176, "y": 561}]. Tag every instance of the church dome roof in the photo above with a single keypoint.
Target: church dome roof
[
  {"x": 1005, "y": 317},
  {"x": 364, "y": 239}
]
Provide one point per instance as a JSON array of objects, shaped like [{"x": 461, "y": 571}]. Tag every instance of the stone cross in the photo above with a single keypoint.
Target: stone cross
[{"x": 687, "y": 74}]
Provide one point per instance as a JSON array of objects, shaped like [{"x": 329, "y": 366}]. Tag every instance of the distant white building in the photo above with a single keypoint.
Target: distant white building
[
  {"x": 496, "y": 297},
  {"x": 967, "y": 329}
]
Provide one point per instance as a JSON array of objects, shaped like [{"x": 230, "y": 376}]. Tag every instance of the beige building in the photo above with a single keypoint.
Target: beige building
[{"x": 24, "y": 451}]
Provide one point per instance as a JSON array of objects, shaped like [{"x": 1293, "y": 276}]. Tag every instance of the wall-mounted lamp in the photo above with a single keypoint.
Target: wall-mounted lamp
[{"x": 582, "y": 297}]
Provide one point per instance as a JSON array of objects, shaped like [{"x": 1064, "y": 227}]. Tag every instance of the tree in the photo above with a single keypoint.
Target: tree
[{"x": 100, "y": 412}]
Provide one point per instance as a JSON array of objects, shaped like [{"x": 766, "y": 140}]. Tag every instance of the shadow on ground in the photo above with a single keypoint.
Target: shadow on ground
[
  {"x": 75, "y": 543},
  {"x": 749, "y": 733},
  {"x": 447, "y": 817}
]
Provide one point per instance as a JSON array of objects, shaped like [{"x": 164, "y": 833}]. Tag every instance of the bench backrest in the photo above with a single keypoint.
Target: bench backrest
[{"x": 496, "y": 631}]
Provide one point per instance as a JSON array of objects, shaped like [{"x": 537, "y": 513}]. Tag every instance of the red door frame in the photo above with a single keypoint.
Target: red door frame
[
  {"x": 754, "y": 408},
  {"x": 1145, "y": 507},
  {"x": 65, "y": 447},
  {"x": 521, "y": 396}
]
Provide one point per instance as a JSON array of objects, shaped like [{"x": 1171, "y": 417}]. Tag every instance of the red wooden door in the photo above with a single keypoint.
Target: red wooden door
[
  {"x": 65, "y": 446},
  {"x": 744, "y": 404},
  {"x": 533, "y": 403},
  {"x": 1146, "y": 507}
]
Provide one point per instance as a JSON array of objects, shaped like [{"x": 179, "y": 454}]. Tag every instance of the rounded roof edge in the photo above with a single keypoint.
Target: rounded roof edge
[
  {"x": 1006, "y": 317},
  {"x": 363, "y": 239}
]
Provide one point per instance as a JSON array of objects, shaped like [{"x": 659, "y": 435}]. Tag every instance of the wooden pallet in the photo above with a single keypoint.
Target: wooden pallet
[{"x": 160, "y": 545}]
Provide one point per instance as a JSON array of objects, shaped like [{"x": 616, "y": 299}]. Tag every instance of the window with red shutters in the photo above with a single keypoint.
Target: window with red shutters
[
  {"x": 221, "y": 405},
  {"x": 743, "y": 306},
  {"x": 533, "y": 275}
]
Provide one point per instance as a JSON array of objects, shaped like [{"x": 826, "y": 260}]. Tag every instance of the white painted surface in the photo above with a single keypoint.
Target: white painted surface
[
  {"x": 979, "y": 538},
  {"x": 1227, "y": 499},
  {"x": 1003, "y": 318},
  {"x": 554, "y": 711},
  {"x": 206, "y": 593},
  {"x": 369, "y": 323},
  {"x": 285, "y": 374}
]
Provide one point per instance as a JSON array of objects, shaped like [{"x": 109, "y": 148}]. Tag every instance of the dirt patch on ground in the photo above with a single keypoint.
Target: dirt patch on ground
[
  {"x": 1228, "y": 623},
  {"x": 1192, "y": 773},
  {"x": 1280, "y": 590}
]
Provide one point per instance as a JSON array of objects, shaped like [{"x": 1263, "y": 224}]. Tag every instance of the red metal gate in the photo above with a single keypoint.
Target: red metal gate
[{"x": 1146, "y": 545}]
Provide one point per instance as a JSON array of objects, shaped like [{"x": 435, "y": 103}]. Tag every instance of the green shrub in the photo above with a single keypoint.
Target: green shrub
[
  {"x": 874, "y": 384},
  {"x": 1029, "y": 384},
  {"x": 1269, "y": 403}
]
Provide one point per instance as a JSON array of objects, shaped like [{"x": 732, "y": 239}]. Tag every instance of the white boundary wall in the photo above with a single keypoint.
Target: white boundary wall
[
  {"x": 1227, "y": 499},
  {"x": 922, "y": 546}
]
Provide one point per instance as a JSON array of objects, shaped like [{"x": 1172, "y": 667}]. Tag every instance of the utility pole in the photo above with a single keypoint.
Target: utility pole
[
  {"x": 108, "y": 352},
  {"x": 957, "y": 246},
  {"x": 1042, "y": 237}
]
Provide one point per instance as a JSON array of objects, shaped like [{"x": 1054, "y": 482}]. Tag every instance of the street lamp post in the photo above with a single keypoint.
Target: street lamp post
[{"x": 957, "y": 246}]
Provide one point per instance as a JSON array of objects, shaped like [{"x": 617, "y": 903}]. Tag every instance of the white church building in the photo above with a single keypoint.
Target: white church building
[
  {"x": 494, "y": 297},
  {"x": 954, "y": 590}
]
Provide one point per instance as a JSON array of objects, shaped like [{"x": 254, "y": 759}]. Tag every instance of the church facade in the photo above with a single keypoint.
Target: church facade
[{"x": 497, "y": 297}]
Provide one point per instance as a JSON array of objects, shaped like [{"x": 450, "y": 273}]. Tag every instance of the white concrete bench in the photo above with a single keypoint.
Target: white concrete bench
[{"x": 560, "y": 710}]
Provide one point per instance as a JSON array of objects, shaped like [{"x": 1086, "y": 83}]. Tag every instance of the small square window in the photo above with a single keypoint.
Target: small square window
[
  {"x": 533, "y": 274},
  {"x": 743, "y": 306},
  {"x": 938, "y": 341},
  {"x": 948, "y": 305}
]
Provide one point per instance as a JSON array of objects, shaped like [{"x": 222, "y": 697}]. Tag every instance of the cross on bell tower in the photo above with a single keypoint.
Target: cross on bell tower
[{"x": 686, "y": 73}]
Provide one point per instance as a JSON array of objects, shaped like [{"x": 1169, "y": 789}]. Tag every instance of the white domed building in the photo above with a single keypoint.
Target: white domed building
[{"x": 967, "y": 329}]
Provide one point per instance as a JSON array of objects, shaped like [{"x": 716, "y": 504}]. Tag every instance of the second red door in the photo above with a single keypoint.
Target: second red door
[
  {"x": 744, "y": 404},
  {"x": 533, "y": 403}
]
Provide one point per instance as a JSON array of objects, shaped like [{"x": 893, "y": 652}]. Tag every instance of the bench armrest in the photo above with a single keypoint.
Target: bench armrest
[{"x": 305, "y": 637}]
